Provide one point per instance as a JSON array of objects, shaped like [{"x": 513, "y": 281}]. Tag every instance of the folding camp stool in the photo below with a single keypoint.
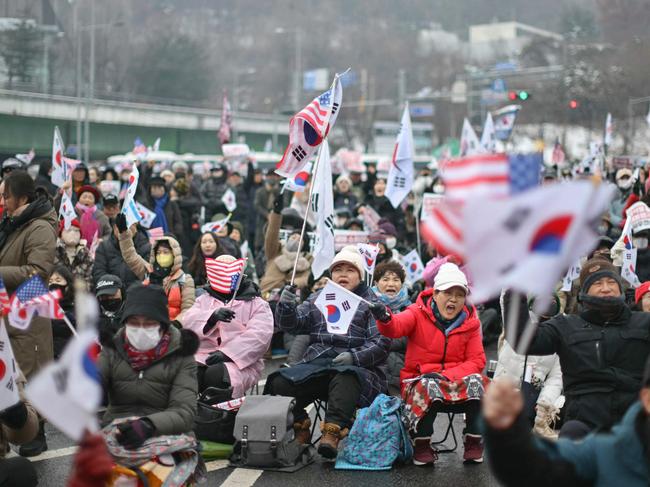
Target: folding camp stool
[
  {"x": 320, "y": 407},
  {"x": 450, "y": 429}
]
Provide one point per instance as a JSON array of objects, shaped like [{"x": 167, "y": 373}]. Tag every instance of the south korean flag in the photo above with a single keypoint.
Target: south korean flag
[{"x": 338, "y": 306}]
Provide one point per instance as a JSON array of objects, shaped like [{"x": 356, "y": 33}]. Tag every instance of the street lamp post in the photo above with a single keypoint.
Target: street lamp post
[{"x": 297, "y": 64}]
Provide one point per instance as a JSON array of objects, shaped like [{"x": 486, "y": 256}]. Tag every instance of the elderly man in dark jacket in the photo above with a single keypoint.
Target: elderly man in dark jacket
[
  {"x": 109, "y": 260},
  {"x": 602, "y": 350}
]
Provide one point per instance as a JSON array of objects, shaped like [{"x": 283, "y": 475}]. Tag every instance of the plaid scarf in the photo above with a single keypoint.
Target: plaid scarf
[{"x": 140, "y": 360}]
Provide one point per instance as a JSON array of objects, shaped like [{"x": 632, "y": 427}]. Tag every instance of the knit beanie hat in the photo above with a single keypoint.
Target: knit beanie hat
[
  {"x": 350, "y": 255},
  {"x": 149, "y": 301},
  {"x": 640, "y": 291},
  {"x": 597, "y": 268}
]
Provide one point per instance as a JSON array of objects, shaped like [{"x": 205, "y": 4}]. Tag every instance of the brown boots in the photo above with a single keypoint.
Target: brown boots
[
  {"x": 329, "y": 442},
  {"x": 302, "y": 430},
  {"x": 545, "y": 420}
]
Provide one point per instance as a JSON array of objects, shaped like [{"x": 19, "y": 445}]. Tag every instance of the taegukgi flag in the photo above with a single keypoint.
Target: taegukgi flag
[
  {"x": 8, "y": 372},
  {"x": 322, "y": 205},
  {"x": 400, "y": 175},
  {"x": 413, "y": 265},
  {"x": 129, "y": 207},
  {"x": 338, "y": 306},
  {"x": 369, "y": 254},
  {"x": 146, "y": 215},
  {"x": 59, "y": 166}
]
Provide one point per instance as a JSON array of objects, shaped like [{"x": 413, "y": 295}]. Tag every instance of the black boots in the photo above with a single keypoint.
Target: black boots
[{"x": 37, "y": 446}]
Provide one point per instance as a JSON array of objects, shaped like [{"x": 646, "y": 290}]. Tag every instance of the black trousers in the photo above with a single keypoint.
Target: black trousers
[
  {"x": 17, "y": 472},
  {"x": 340, "y": 390},
  {"x": 472, "y": 410},
  {"x": 212, "y": 376}
]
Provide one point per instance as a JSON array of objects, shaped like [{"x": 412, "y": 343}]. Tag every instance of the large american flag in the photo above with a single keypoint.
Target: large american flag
[
  {"x": 482, "y": 175},
  {"x": 224, "y": 276}
]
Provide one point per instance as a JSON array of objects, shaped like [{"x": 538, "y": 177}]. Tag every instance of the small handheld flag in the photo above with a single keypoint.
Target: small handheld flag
[
  {"x": 338, "y": 306},
  {"x": 224, "y": 276}
]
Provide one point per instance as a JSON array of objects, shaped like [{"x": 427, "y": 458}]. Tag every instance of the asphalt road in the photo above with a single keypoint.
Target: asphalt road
[{"x": 54, "y": 467}]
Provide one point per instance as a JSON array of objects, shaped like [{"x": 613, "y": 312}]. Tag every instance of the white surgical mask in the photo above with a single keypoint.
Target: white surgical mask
[
  {"x": 640, "y": 242},
  {"x": 625, "y": 183},
  {"x": 142, "y": 338},
  {"x": 391, "y": 242}
]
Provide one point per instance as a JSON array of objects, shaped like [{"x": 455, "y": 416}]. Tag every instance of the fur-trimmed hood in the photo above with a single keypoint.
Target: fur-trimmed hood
[{"x": 176, "y": 251}]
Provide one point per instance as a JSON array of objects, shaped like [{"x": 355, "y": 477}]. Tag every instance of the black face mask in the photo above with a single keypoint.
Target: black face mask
[
  {"x": 600, "y": 310},
  {"x": 111, "y": 304},
  {"x": 54, "y": 287}
]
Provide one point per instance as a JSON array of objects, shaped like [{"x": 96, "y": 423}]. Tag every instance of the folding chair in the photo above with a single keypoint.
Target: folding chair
[
  {"x": 320, "y": 406},
  {"x": 450, "y": 429}
]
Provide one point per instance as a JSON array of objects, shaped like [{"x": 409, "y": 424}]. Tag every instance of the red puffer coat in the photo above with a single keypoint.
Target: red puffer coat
[{"x": 455, "y": 356}]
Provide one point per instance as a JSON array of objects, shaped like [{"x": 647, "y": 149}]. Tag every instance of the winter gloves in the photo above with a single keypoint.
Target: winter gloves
[
  {"x": 132, "y": 434},
  {"x": 288, "y": 296},
  {"x": 93, "y": 464},
  {"x": 222, "y": 314},
  {"x": 217, "y": 358},
  {"x": 278, "y": 204},
  {"x": 120, "y": 222},
  {"x": 380, "y": 312},
  {"x": 14, "y": 417},
  {"x": 341, "y": 359}
]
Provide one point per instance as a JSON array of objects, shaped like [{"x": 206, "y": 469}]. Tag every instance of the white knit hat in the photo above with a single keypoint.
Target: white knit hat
[
  {"x": 350, "y": 255},
  {"x": 449, "y": 275}
]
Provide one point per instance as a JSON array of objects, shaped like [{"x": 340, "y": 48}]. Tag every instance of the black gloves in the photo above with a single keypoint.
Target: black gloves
[
  {"x": 132, "y": 434},
  {"x": 278, "y": 204},
  {"x": 15, "y": 416},
  {"x": 120, "y": 222},
  {"x": 217, "y": 358},
  {"x": 379, "y": 311},
  {"x": 288, "y": 296},
  {"x": 222, "y": 314},
  {"x": 344, "y": 358}
]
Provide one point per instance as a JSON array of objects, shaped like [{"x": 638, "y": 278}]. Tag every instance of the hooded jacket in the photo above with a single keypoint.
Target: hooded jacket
[
  {"x": 244, "y": 340},
  {"x": 178, "y": 285},
  {"x": 165, "y": 392},
  {"x": 109, "y": 260},
  {"x": 27, "y": 250},
  {"x": 455, "y": 355}
]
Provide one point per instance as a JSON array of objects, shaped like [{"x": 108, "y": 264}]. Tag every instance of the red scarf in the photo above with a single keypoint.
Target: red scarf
[{"x": 139, "y": 359}]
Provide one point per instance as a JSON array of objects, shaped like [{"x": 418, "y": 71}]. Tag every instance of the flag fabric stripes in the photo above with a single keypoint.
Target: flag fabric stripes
[
  {"x": 4, "y": 297},
  {"x": 224, "y": 276}
]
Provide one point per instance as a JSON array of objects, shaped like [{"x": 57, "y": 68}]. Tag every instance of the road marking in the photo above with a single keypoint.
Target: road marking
[
  {"x": 242, "y": 477},
  {"x": 48, "y": 455},
  {"x": 216, "y": 465}
]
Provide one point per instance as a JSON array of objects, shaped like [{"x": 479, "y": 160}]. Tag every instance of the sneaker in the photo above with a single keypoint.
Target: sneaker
[
  {"x": 423, "y": 454},
  {"x": 473, "y": 449}
]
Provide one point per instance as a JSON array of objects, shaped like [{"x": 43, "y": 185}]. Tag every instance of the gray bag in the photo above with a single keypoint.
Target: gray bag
[{"x": 265, "y": 438}]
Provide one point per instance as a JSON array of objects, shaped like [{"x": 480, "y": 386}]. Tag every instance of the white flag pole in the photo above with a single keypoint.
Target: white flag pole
[
  {"x": 350, "y": 292},
  {"x": 241, "y": 278},
  {"x": 67, "y": 322}
]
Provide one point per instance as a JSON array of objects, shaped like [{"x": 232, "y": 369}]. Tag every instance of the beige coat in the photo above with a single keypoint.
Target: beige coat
[
  {"x": 140, "y": 267},
  {"x": 279, "y": 262},
  {"x": 30, "y": 250}
]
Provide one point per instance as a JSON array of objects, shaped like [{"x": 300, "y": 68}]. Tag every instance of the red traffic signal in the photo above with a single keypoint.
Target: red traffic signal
[
  {"x": 512, "y": 95},
  {"x": 573, "y": 104},
  {"x": 522, "y": 95}
]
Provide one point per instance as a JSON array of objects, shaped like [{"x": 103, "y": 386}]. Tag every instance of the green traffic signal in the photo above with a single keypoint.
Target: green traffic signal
[{"x": 524, "y": 95}]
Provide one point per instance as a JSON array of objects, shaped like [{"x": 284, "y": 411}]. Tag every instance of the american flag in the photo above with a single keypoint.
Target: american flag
[
  {"x": 138, "y": 146},
  {"x": 483, "y": 175},
  {"x": 226, "y": 121},
  {"x": 32, "y": 296},
  {"x": 4, "y": 297},
  {"x": 224, "y": 276}
]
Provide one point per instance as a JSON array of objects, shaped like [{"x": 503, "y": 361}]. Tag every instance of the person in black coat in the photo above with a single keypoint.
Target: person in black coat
[
  {"x": 602, "y": 350},
  {"x": 108, "y": 258},
  {"x": 168, "y": 213},
  {"x": 44, "y": 179},
  {"x": 63, "y": 280}
]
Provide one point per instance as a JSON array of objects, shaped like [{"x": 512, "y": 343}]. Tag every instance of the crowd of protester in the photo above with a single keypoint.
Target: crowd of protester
[{"x": 168, "y": 334}]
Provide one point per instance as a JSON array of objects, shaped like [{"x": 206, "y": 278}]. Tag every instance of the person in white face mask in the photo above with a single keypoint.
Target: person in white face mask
[
  {"x": 73, "y": 254},
  {"x": 148, "y": 371},
  {"x": 624, "y": 183}
]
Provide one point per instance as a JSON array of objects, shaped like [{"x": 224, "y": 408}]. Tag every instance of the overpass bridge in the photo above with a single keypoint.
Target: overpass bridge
[{"x": 27, "y": 121}]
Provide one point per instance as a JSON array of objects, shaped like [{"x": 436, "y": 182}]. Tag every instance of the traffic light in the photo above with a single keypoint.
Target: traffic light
[
  {"x": 521, "y": 95},
  {"x": 573, "y": 104}
]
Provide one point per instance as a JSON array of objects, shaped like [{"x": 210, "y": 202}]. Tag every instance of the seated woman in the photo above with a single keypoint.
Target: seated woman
[
  {"x": 343, "y": 370},
  {"x": 148, "y": 371},
  {"x": 234, "y": 333},
  {"x": 444, "y": 360},
  {"x": 389, "y": 277},
  {"x": 165, "y": 268}
]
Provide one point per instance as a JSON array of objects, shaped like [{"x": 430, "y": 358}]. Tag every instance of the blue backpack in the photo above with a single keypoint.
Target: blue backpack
[{"x": 377, "y": 439}]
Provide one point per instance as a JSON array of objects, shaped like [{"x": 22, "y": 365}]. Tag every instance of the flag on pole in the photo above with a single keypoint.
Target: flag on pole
[
  {"x": 400, "y": 175},
  {"x": 225, "y": 127},
  {"x": 26, "y": 158},
  {"x": 488, "y": 137},
  {"x": 66, "y": 210},
  {"x": 156, "y": 145},
  {"x": 8, "y": 371},
  {"x": 571, "y": 275},
  {"x": 338, "y": 306},
  {"x": 413, "y": 265},
  {"x": 146, "y": 215},
  {"x": 558, "y": 156},
  {"x": 229, "y": 200},
  {"x": 308, "y": 128},
  {"x": 129, "y": 207},
  {"x": 526, "y": 242},
  {"x": 31, "y": 297},
  {"x": 59, "y": 167},
  {"x": 469, "y": 144},
  {"x": 609, "y": 130},
  {"x": 628, "y": 266},
  {"x": 322, "y": 205},
  {"x": 369, "y": 254},
  {"x": 504, "y": 121},
  {"x": 224, "y": 276},
  {"x": 68, "y": 392},
  {"x": 139, "y": 148},
  {"x": 214, "y": 227},
  {"x": 298, "y": 182}
]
